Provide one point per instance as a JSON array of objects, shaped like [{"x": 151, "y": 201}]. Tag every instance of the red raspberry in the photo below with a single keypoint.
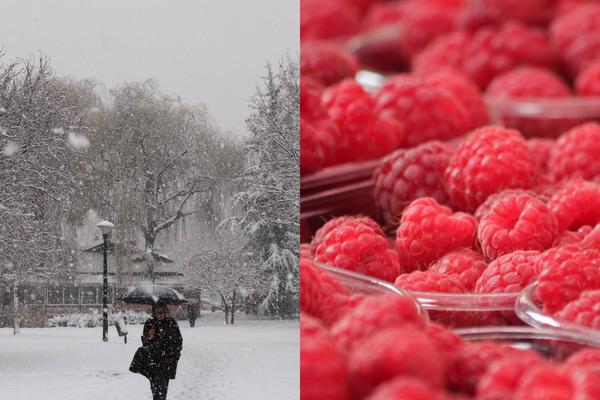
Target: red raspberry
[
  {"x": 425, "y": 110},
  {"x": 393, "y": 353},
  {"x": 493, "y": 12},
  {"x": 588, "y": 81},
  {"x": 327, "y": 63},
  {"x": 577, "y": 154},
  {"x": 487, "y": 205},
  {"x": 467, "y": 265},
  {"x": 583, "y": 311},
  {"x": 320, "y": 361},
  {"x": 465, "y": 92},
  {"x": 516, "y": 222},
  {"x": 363, "y": 134},
  {"x": 528, "y": 82},
  {"x": 565, "y": 273},
  {"x": 445, "y": 340},
  {"x": 428, "y": 230},
  {"x": 586, "y": 358},
  {"x": 327, "y": 20},
  {"x": 576, "y": 37},
  {"x": 491, "y": 160},
  {"x": 575, "y": 205},
  {"x": 359, "y": 248},
  {"x": 396, "y": 31},
  {"x": 486, "y": 53},
  {"x": 406, "y": 389},
  {"x": 509, "y": 273},
  {"x": 540, "y": 149},
  {"x": 318, "y": 135},
  {"x": 543, "y": 382},
  {"x": 471, "y": 363},
  {"x": 333, "y": 223},
  {"x": 427, "y": 281},
  {"x": 408, "y": 174},
  {"x": 502, "y": 377},
  {"x": 372, "y": 315},
  {"x": 568, "y": 238},
  {"x": 321, "y": 295}
]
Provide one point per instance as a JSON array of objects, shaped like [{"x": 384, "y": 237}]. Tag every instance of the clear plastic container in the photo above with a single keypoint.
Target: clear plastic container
[
  {"x": 543, "y": 117},
  {"x": 451, "y": 310},
  {"x": 553, "y": 344},
  {"x": 368, "y": 286},
  {"x": 529, "y": 309}
]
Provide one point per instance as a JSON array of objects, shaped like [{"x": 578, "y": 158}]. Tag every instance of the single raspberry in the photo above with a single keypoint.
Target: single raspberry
[
  {"x": 480, "y": 13},
  {"x": 509, "y": 273},
  {"x": 408, "y": 174},
  {"x": 491, "y": 160},
  {"x": 565, "y": 273},
  {"x": 320, "y": 360},
  {"x": 359, "y": 248},
  {"x": 540, "y": 149},
  {"x": 568, "y": 238},
  {"x": 375, "y": 314},
  {"x": 516, "y": 222},
  {"x": 543, "y": 382},
  {"x": 575, "y": 205},
  {"x": 427, "y": 281},
  {"x": 333, "y": 223},
  {"x": 321, "y": 295},
  {"x": 577, "y": 154},
  {"x": 364, "y": 134},
  {"x": 393, "y": 353},
  {"x": 395, "y": 31},
  {"x": 467, "y": 265},
  {"x": 318, "y": 134},
  {"x": 445, "y": 340},
  {"x": 528, "y": 82},
  {"x": 327, "y": 63},
  {"x": 487, "y": 205},
  {"x": 588, "y": 81},
  {"x": 486, "y": 53},
  {"x": 465, "y": 92},
  {"x": 502, "y": 377},
  {"x": 406, "y": 389},
  {"x": 428, "y": 230},
  {"x": 471, "y": 363},
  {"x": 583, "y": 311},
  {"x": 586, "y": 358},
  {"x": 576, "y": 36},
  {"x": 327, "y": 20},
  {"x": 425, "y": 110}
]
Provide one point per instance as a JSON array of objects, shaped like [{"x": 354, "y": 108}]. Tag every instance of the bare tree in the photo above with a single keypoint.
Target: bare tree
[
  {"x": 155, "y": 158},
  {"x": 223, "y": 271}
]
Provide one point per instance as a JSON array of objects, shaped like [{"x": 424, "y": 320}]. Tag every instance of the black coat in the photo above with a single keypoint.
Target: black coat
[{"x": 159, "y": 355}]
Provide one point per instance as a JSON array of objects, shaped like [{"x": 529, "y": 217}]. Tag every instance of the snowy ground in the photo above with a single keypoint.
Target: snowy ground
[{"x": 250, "y": 360}]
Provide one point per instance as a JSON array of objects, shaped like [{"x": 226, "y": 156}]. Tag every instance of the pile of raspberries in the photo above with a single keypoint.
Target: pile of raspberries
[
  {"x": 463, "y": 207},
  {"x": 442, "y": 59}
]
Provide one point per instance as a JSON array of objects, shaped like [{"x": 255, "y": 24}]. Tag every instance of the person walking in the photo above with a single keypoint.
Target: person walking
[{"x": 161, "y": 348}]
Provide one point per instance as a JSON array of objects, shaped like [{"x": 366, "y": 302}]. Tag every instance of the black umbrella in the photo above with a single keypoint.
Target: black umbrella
[{"x": 152, "y": 294}]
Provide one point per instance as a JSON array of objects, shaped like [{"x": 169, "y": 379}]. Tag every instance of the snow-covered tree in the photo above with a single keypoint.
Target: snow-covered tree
[
  {"x": 223, "y": 271},
  {"x": 268, "y": 199},
  {"x": 155, "y": 161}
]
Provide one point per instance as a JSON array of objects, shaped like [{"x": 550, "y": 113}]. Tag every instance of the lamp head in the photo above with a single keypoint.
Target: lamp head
[{"x": 105, "y": 227}]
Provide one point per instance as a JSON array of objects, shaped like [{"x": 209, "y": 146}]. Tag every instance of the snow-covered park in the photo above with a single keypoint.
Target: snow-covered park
[{"x": 249, "y": 360}]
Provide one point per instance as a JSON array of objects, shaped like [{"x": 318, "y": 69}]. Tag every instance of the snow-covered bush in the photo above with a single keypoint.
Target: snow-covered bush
[{"x": 94, "y": 319}]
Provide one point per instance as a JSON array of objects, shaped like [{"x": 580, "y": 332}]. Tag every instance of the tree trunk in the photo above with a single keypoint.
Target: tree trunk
[
  {"x": 225, "y": 308},
  {"x": 16, "y": 327},
  {"x": 232, "y": 306}
]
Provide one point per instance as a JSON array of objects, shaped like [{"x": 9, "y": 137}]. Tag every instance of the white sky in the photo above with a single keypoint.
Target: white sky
[{"x": 207, "y": 51}]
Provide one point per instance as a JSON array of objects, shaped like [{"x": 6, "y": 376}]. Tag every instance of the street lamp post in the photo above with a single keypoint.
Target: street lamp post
[{"x": 105, "y": 227}]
